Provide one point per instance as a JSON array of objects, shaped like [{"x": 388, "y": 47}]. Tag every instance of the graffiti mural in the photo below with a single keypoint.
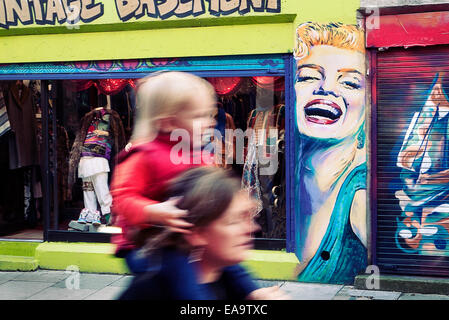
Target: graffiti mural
[
  {"x": 411, "y": 156},
  {"x": 330, "y": 174},
  {"x": 423, "y": 226}
]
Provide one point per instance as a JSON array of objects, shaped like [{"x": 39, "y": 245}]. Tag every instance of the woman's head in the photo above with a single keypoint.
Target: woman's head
[
  {"x": 330, "y": 81},
  {"x": 173, "y": 100},
  {"x": 222, "y": 215}
]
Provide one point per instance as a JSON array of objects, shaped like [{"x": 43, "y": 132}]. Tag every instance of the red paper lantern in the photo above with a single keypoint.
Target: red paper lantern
[
  {"x": 225, "y": 85},
  {"x": 269, "y": 83},
  {"x": 105, "y": 86}
]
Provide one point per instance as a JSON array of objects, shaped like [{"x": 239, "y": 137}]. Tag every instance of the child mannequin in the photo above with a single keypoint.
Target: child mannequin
[{"x": 101, "y": 131}]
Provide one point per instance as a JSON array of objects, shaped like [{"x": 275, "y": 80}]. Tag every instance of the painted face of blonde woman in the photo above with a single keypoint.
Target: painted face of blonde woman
[{"x": 330, "y": 92}]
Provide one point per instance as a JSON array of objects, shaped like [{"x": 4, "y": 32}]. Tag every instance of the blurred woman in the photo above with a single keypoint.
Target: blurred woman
[{"x": 204, "y": 263}]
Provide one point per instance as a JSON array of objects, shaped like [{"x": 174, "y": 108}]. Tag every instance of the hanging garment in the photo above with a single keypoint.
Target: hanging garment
[
  {"x": 223, "y": 146},
  {"x": 63, "y": 164},
  {"x": 29, "y": 187},
  {"x": 5, "y": 126},
  {"x": 256, "y": 177},
  {"x": 277, "y": 193},
  {"x": 250, "y": 178},
  {"x": 35, "y": 87},
  {"x": 23, "y": 145}
]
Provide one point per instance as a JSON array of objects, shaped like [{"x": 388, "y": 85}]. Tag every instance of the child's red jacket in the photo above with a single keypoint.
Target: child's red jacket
[{"x": 141, "y": 178}]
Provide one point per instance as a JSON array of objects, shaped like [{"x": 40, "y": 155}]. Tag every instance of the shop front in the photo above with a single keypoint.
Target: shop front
[{"x": 77, "y": 66}]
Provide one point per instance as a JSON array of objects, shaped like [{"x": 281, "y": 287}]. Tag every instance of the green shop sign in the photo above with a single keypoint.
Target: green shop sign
[{"x": 71, "y": 12}]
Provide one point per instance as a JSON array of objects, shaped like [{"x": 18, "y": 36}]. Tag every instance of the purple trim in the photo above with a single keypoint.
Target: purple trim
[
  {"x": 373, "y": 157},
  {"x": 289, "y": 153}
]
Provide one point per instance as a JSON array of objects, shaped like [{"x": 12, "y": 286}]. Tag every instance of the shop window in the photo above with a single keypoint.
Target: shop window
[{"x": 103, "y": 110}]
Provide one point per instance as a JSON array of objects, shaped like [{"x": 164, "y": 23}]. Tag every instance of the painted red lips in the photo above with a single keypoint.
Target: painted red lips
[{"x": 322, "y": 111}]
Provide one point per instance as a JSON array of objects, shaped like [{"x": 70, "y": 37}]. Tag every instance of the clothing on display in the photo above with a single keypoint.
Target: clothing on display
[
  {"x": 94, "y": 173},
  {"x": 20, "y": 156},
  {"x": 223, "y": 147},
  {"x": 101, "y": 134},
  {"x": 23, "y": 145},
  {"x": 124, "y": 104},
  {"x": 63, "y": 151},
  {"x": 261, "y": 109},
  {"x": 266, "y": 124},
  {"x": 5, "y": 126}
]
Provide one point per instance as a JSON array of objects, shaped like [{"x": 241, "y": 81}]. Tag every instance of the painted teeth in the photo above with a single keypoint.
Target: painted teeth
[{"x": 327, "y": 107}]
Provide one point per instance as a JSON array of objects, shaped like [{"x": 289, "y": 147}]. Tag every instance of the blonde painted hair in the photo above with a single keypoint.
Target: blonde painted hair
[
  {"x": 164, "y": 94},
  {"x": 339, "y": 35}
]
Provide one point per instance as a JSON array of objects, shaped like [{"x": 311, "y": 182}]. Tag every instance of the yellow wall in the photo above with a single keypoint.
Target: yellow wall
[{"x": 206, "y": 35}]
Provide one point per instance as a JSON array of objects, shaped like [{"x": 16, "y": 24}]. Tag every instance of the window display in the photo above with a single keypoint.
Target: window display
[{"x": 90, "y": 121}]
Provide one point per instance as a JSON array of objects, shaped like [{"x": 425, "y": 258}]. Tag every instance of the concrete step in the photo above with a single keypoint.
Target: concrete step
[
  {"x": 18, "y": 263},
  {"x": 406, "y": 284},
  {"x": 18, "y": 248}
]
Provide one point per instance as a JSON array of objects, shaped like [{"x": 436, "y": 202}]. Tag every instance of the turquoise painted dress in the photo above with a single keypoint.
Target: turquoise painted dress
[{"x": 341, "y": 255}]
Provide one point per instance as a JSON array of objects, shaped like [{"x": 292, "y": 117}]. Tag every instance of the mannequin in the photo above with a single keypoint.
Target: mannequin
[
  {"x": 101, "y": 133},
  {"x": 262, "y": 143}
]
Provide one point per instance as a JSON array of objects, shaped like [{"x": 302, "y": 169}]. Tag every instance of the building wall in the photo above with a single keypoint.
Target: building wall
[
  {"x": 391, "y": 3},
  {"x": 330, "y": 158},
  {"x": 107, "y": 37}
]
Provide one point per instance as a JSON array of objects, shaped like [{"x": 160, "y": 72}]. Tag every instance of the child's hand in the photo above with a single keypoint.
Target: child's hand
[
  {"x": 168, "y": 215},
  {"x": 269, "y": 293}
]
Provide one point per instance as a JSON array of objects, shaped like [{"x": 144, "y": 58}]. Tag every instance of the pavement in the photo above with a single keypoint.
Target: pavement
[{"x": 72, "y": 285}]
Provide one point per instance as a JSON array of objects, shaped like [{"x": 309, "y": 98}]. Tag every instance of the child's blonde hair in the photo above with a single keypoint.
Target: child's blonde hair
[
  {"x": 161, "y": 95},
  {"x": 333, "y": 34}
]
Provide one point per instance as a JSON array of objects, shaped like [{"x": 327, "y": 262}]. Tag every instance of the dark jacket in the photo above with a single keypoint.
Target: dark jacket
[
  {"x": 174, "y": 278},
  {"x": 23, "y": 144}
]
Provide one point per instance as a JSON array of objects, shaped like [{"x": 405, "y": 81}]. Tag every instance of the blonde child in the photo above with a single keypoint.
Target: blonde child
[{"x": 170, "y": 102}]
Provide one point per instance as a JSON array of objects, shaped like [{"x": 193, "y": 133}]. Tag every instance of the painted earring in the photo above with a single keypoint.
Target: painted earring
[{"x": 361, "y": 140}]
